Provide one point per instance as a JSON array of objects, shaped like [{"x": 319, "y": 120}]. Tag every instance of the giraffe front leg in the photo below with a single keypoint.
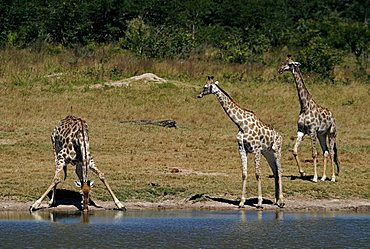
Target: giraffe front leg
[
  {"x": 300, "y": 136},
  {"x": 244, "y": 159},
  {"x": 54, "y": 183},
  {"x": 102, "y": 178}
]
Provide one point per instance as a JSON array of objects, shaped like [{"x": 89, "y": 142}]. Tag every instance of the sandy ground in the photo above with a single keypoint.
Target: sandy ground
[{"x": 212, "y": 203}]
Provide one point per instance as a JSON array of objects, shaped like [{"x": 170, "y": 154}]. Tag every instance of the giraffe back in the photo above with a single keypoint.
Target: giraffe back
[{"x": 71, "y": 141}]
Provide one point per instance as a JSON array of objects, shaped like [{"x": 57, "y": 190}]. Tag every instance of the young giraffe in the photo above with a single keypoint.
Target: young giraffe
[
  {"x": 253, "y": 137},
  {"x": 71, "y": 145},
  {"x": 315, "y": 121}
]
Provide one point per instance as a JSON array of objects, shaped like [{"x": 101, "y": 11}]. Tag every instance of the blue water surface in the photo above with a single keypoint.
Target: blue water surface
[{"x": 185, "y": 229}]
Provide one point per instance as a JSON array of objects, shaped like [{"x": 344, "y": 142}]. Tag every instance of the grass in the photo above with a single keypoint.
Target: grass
[{"x": 136, "y": 159}]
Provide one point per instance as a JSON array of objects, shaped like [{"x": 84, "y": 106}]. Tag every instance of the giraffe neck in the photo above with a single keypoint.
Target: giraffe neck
[
  {"x": 84, "y": 151},
  {"x": 303, "y": 94},
  {"x": 233, "y": 110}
]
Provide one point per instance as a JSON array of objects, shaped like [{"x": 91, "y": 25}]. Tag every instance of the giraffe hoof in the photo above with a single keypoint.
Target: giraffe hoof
[
  {"x": 280, "y": 204},
  {"x": 323, "y": 178},
  {"x": 35, "y": 206},
  {"x": 314, "y": 179},
  {"x": 241, "y": 203},
  {"x": 333, "y": 179},
  {"x": 120, "y": 206},
  {"x": 303, "y": 174}
]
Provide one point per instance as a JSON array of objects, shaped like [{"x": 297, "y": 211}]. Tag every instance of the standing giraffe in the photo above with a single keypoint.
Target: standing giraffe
[
  {"x": 71, "y": 145},
  {"x": 315, "y": 121},
  {"x": 253, "y": 137}
]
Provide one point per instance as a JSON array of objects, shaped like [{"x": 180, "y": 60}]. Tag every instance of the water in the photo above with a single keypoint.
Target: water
[{"x": 184, "y": 229}]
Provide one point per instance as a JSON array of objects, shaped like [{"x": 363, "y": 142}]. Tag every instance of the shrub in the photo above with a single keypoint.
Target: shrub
[{"x": 319, "y": 57}]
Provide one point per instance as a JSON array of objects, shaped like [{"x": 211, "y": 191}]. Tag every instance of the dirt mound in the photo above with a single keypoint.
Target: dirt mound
[{"x": 145, "y": 78}]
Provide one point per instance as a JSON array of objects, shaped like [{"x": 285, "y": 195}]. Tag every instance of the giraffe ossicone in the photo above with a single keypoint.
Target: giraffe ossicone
[
  {"x": 71, "y": 146},
  {"x": 315, "y": 121},
  {"x": 253, "y": 137}
]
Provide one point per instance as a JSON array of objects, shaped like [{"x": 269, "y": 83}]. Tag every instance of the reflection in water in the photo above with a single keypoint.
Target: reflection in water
[
  {"x": 71, "y": 216},
  {"x": 183, "y": 229}
]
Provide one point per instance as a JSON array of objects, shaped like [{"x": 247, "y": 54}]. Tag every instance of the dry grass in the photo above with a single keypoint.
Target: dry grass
[{"x": 137, "y": 159}]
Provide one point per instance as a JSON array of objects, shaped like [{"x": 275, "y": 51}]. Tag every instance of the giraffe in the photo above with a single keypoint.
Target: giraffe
[
  {"x": 71, "y": 145},
  {"x": 253, "y": 137},
  {"x": 314, "y": 121}
]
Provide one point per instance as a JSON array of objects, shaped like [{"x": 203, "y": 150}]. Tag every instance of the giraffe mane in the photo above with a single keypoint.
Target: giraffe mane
[{"x": 232, "y": 100}]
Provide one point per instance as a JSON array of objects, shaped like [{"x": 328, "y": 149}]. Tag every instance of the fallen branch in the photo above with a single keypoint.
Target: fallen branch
[{"x": 165, "y": 123}]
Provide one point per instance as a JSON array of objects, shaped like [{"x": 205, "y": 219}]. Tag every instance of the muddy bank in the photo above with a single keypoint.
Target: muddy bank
[{"x": 211, "y": 203}]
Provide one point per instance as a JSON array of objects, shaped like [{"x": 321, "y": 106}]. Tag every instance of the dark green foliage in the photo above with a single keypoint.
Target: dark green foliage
[
  {"x": 319, "y": 57},
  {"x": 239, "y": 30}
]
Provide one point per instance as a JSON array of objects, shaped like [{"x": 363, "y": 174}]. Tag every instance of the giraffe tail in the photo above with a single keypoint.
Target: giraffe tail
[
  {"x": 336, "y": 160},
  {"x": 65, "y": 172}
]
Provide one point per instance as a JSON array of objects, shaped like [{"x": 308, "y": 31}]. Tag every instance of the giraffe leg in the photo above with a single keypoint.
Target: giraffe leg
[
  {"x": 257, "y": 160},
  {"x": 244, "y": 159},
  {"x": 101, "y": 177},
  {"x": 324, "y": 147},
  {"x": 56, "y": 180},
  {"x": 314, "y": 155},
  {"x": 300, "y": 136},
  {"x": 277, "y": 153},
  {"x": 273, "y": 157},
  {"x": 332, "y": 144},
  {"x": 59, "y": 165}
]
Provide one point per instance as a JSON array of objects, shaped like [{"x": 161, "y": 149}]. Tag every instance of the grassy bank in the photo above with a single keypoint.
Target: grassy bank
[{"x": 38, "y": 89}]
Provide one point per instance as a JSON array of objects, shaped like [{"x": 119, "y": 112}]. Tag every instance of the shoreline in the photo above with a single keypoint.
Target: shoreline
[{"x": 296, "y": 204}]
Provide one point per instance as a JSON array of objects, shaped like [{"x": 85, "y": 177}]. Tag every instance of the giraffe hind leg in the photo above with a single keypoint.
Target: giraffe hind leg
[
  {"x": 314, "y": 155},
  {"x": 333, "y": 154},
  {"x": 257, "y": 160},
  {"x": 273, "y": 160},
  {"x": 325, "y": 150}
]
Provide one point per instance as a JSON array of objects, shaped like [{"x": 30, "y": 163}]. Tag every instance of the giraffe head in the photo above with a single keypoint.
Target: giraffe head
[
  {"x": 209, "y": 87},
  {"x": 85, "y": 191},
  {"x": 288, "y": 64}
]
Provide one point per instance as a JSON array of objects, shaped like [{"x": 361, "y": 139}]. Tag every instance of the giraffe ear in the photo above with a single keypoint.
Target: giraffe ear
[{"x": 216, "y": 82}]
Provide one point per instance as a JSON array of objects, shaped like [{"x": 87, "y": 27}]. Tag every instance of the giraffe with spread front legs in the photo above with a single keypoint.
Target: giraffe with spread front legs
[
  {"x": 71, "y": 145},
  {"x": 253, "y": 137},
  {"x": 314, "y": 121}
]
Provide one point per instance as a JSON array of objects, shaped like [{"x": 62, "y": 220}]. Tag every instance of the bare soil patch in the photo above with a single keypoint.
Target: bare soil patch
[{"x": 145, "y": 78}]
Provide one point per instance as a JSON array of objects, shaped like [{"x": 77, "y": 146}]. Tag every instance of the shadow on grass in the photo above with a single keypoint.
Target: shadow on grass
[
  {"x": 296, "y": 177},
  {"x": 69, "y": 197},
  {"x": 249, "y": 202},
  {"x": 303, "y": 178}
]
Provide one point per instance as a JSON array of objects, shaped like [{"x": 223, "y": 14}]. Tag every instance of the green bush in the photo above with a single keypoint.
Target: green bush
[{"x": 319, "y": 57}]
